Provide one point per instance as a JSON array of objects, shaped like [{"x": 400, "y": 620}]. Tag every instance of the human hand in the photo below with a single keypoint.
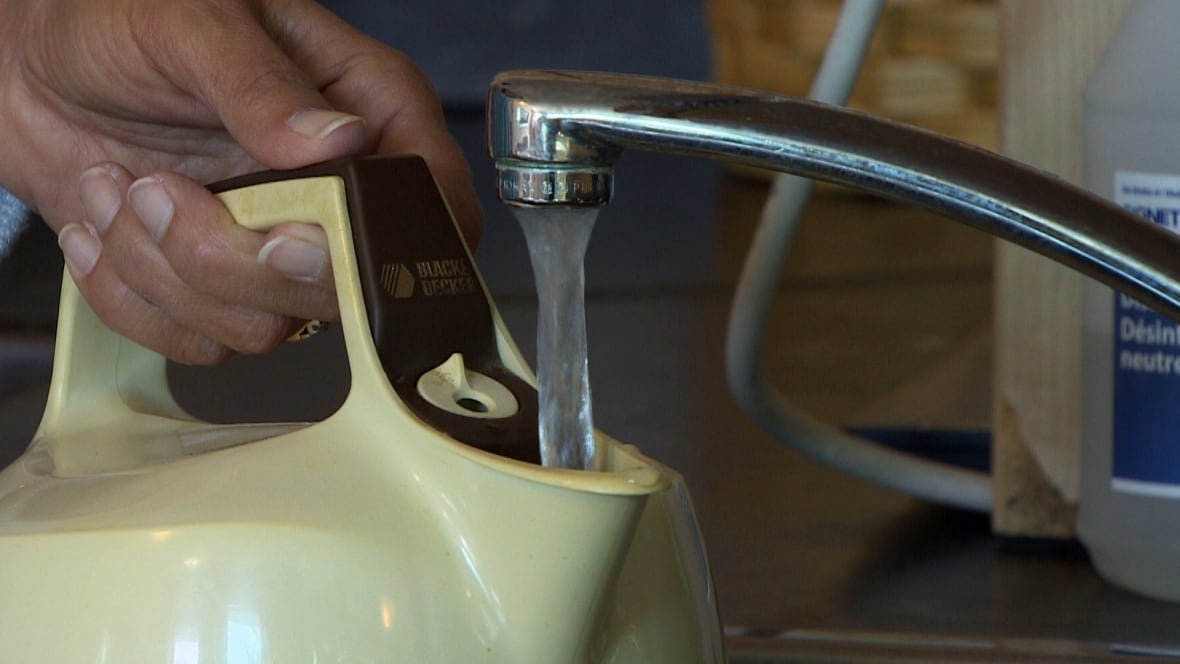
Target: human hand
[{"x": 114, "y": 112}]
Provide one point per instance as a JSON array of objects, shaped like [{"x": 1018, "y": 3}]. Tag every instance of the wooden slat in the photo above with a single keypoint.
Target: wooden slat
[
  {"x": 1048, "y": 49},
  {"x": 924, "y": 67}
]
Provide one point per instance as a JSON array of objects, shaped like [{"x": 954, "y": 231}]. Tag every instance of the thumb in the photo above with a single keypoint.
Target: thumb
[{"x": 262, "y": 98}]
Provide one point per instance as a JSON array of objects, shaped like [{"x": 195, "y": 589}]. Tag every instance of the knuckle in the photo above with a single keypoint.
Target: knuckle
[
  {"x": 202, "y": 258},
  {"x": 180, "y": 345},
  {"x": 260, "y": 88},
  {"x": 261, "y": 333},
  {"x": 327, "y": 310},
  {"x": 204, "y": 264},
  {"x": 135, "y": 255},
  {"x": 315, "y": 302},
  {"x": 142, "y": 269},
  {"x": 398, "y": 73},
  {"x": 196, "y": 350}
]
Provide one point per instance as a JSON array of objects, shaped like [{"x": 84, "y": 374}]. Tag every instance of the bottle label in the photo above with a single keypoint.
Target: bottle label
[{"x": 1146, "y": 361}]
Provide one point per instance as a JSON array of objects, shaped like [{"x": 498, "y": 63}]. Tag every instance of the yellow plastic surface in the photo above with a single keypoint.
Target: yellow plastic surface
[{"x": 130, "y": 533}]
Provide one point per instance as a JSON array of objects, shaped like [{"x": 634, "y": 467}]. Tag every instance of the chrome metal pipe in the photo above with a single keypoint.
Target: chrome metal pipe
[{"x": 555, "y": 135}]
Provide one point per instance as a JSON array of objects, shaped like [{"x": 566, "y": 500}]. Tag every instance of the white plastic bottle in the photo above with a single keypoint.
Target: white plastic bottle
[{"x": 1129, "y": 517}]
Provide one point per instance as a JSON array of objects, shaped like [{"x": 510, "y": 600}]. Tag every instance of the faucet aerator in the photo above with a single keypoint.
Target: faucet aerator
[{"x": 537, "y": 184}]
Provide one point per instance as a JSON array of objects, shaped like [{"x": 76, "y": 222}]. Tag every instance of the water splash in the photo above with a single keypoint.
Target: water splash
[{"x": 557, "y": 239}]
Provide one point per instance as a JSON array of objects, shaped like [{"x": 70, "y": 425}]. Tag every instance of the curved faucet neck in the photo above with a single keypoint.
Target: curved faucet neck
[{"x": 555, "y": 135}]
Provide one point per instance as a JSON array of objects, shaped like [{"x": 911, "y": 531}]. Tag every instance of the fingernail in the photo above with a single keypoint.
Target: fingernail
[
  {"x": 299, "y": 260},
  {"x": 320, "y": 123},
  {"x": 100, "y": 197},
  {"x": 152, "y": 205},
  {"x": 80, "y": 245}
]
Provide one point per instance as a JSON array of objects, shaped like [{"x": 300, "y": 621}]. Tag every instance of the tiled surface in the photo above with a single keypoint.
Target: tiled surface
[{"x": 882, "y": 317}]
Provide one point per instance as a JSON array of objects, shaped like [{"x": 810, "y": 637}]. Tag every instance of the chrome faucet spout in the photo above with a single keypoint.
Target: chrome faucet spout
[{"x": 555, "y": 136}]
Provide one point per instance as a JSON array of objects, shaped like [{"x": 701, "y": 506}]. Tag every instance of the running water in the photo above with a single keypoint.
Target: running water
[{"x": 557, "y": 239}]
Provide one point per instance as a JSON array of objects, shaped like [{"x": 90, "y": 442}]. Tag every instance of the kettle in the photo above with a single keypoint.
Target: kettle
[{"x": 413, "y": 524}]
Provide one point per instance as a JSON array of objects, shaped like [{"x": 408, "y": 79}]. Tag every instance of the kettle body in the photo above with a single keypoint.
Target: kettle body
[{"x": 129, "y": 532}]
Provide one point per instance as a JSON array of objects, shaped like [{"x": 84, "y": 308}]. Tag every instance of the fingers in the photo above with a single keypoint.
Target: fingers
[
  {"x": 158, "y": 257},
  {"x": 412, "y": 122},
  {"x": 162, "y": 262},
  {"x": 299, "y": 251},
  {"x": 294, "y": 85},
  {"x": 362, "y": 76},
  {"x": 125, "y": 311},
  {"x": 224, "y": 55},
  {"x": 217, "y": 258}
]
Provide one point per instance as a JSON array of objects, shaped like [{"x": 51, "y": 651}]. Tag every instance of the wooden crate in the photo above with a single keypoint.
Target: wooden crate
[{"x": 932, "y": 63}]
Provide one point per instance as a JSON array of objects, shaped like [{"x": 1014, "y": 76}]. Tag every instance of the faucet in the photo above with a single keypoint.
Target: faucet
[{"x": 555, "y": 136}]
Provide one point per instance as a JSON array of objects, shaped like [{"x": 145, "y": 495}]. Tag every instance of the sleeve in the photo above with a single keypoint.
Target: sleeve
[{"x": 13, "y": 218}]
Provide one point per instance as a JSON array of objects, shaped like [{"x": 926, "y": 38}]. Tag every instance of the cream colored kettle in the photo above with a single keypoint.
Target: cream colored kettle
[{"x": 406, "y": 527}]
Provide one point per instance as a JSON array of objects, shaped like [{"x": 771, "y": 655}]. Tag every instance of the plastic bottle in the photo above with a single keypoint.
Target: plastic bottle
[{"x": 1129, "y": 516}]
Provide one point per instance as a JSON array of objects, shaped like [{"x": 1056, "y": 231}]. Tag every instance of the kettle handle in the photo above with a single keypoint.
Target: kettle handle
[{"x": 102, "y": 381}]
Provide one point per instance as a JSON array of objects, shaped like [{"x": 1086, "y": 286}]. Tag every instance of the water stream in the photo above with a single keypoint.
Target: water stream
[{"x": 557, "y": 239}]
